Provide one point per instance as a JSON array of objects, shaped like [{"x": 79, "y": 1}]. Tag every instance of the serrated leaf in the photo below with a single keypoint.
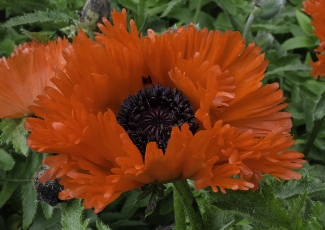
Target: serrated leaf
[
  {"x": 41, "y": 223},
  {"x": 49, "y": 16},
  {"x": 315, "y": 190},
  {"x": 260, "y": 206},
  {"x": 290, "y": 188},
  {"x": 215, "y": 218},
  {"x": 38, "y": 36},
  {"x": 6, "y": 161},
  {"x": 13, "y": 132},
  {"x": 316, "y": 217},
  {"x": 6, "y": 191},
  {"x": 316, "y": 172},
  {"x": 101, "y": 226},
  {"x": 29, "y": 204},
  {"x": 71, "y": 215},
  {"x": 296, "y": 209}
]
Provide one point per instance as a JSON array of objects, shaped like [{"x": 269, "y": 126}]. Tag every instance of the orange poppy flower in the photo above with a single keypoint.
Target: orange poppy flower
[
  {"x": 25, "y": 74},
  {"x": 316, "y": 9},
  {"x": 186, "y": 104}
]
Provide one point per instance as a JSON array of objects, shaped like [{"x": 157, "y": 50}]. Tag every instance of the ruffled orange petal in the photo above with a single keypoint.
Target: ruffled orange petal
[
  {"x": 316, "y": 9},
  {"x": 26, "y": 73},
  {"x": 121, "y": 66},
  {"x": 182, "y": 158},
  {"x": 246, "y": 156},
  {"x": 225, "y": 87},
  {"x": 86, "y": 165},
  {"x": 269, "y": 156}
]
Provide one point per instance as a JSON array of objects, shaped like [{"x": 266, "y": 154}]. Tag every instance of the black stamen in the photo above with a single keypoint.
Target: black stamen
[
  {"x": 152, "y": 112},
  {"x": 147, "y": 80},
  {"x": 48, "y": 191}
]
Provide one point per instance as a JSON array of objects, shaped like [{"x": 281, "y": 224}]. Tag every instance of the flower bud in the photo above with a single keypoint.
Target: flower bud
[
  {"x": 268, "y": 8},
  {"x": 264, "y": 40},
  {"x": 93, "y": 12}
]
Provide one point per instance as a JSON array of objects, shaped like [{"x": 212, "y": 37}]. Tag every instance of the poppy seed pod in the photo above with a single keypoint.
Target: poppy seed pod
[
  {"x": 268, "y": 8},
  {"x": 93, "y": 12},
  {"x": 264, "y": 40},
  {"x": 48, "y": 191}
]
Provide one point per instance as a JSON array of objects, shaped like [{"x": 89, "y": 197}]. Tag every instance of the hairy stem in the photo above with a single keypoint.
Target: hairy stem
[{"x": 189, "y": 204}]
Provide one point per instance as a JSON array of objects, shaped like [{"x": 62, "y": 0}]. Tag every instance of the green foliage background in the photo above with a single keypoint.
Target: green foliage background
[{"x": 288, "y": 43}]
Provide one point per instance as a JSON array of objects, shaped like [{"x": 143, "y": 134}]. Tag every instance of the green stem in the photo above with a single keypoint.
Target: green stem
[
  {"x": 197, "y": 11},
  {"x": 313, "y": 135},
  {"x": 248, "y": 25},
  {"x": 179, "y": 212},
  {"x": 189, "y": 204}
]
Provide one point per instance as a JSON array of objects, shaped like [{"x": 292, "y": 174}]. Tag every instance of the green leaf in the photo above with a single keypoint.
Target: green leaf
[
  {"x": 319, "y": 112},
  {"x": 13, "y": 131},
  {"x": 282, "y": 28},
  {"x": 316, "y": 217},
  {"x": 316, "y": 190},
  {"x": 38, "y": 36},
  {"x": 127, "y": 224},
  {"x": 47, "y": 210},
  {"x": 290, "y": 67},
  {"x": 235, "y": 7},
  {"x": 296, "y": 209},
  {"x": 101, "y": 226},
  {"x": 23, "y": 4},
  {"x": 6, "y": 191},
  {"x": 71, "y": 215},
  {"x": 49, "y": 16},
  {"x": 6, "y": 47},
  {"x": 299, "y": 42},
  {"x": 316, "y": 172},
  {"x": 6, "y": 161},
  {"x": 261, "y": 206},
  {"x": 215, "y": 218},
  {"x": 290, "y": 188},
  {"x": 170, "y": 6},
  {"x": 304, "y": 22},
  {"x": 130, "y": 5},
  {"x": 41, "y": 223},
  {"x": 29, "y": 204}
]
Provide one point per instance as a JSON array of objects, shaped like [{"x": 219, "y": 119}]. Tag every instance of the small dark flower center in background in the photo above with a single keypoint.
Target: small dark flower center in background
[
  {"x": 48, "y": 191},
  {"x": 152, "y": 112}
]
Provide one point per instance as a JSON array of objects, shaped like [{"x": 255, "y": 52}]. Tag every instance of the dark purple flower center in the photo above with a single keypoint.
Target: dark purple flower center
[{"x": 152, "y": 112}]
